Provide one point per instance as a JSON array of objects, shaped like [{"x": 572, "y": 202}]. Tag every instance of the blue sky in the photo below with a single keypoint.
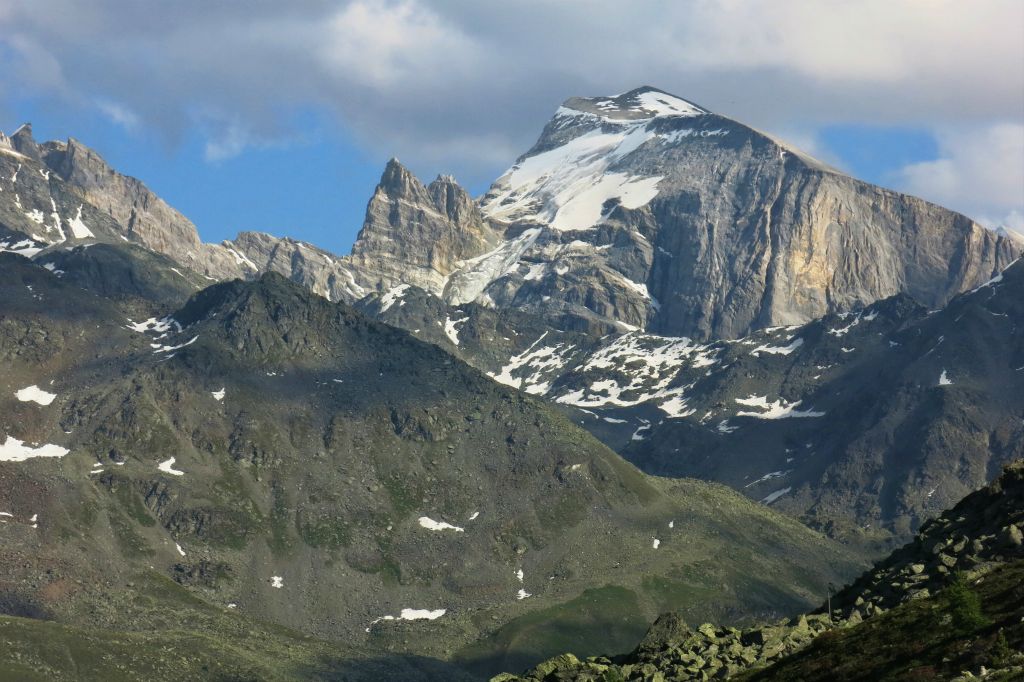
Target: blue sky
[{"x": 280, "y": 117}]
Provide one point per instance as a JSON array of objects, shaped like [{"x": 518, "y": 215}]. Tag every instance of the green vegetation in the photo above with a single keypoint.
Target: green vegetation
[
  {"x": 330, "y": 533},
  {"x": 132, "y": 504},
  {"x": 972, "y": 623},
  {"x": 965, "y": 605},
  {"x": 182, "y": 637},
  {"x": 606, "y": 619}
]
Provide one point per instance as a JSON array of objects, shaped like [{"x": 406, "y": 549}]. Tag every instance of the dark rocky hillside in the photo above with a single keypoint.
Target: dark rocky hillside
[{"x": 285, "y": 459}]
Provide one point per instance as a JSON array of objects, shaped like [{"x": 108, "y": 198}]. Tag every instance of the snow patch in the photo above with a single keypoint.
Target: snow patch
[
  {"x": 474, "y": 275},
  {"x": 14, "y": 450},
  {"x": 775, "y": 495},
  {"x": 25, "y": 247},
  {"x": 165, "y": 349},
  {"x": 431, "y": 524},
  {"x": 451, "y": 330},
  {"x": 240, "y": 258},
  {"x": 394, "y": 295},
  {"x": 540, "y": 362},
  {"x": 78, "y": 228},
  {"x": 411, "y": 614},
  {"x": 168, "y": 467},
  {"x": 35, "y": 394},
  {"x": 779, "y": 409},
  {"x": 163, "y": 325},
  {"x": 777, "y": 350}
]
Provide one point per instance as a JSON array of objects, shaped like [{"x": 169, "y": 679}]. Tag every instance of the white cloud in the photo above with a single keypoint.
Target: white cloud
[
  {"x": 980, "y": 171},
  {"x": 465, "y": 86},
  {"x": 119, "y": 114},
  {"x": 381, "y": 44}
]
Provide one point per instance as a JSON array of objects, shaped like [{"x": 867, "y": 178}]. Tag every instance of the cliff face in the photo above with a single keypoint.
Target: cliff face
[
  {"x": 417, "y": 234},
  {"x": 700, "y": 226}
]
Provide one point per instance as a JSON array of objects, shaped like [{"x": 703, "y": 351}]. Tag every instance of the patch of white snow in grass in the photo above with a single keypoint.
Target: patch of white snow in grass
[
  {"x": 539, "y": 361},
  {"x": 14, "y": 450},
  {"x": 277, "y": 581},
  {"x": 218, "y": 395},
  {"x": 431, "y": 524},
  {"x": 411, "y": 614},
  {"x": 168, "y": 468},
  {"x": 35, "y": 394},
  {"x": 656, "y": 543},
  {"x": 944, "y": 380}
]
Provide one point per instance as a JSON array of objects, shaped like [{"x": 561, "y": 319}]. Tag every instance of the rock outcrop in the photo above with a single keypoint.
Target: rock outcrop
[{"x": 416, "y": 234}]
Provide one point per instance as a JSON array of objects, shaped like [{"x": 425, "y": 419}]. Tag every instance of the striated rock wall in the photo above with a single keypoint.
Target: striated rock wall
[{"x": 416, "y": 234}]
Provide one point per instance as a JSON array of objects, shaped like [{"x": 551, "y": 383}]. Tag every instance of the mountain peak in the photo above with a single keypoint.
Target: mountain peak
[
  {"x": 397, "y": 180},
  {"x": 23, "y": 142},
  {"x": 641, "y": 103}
]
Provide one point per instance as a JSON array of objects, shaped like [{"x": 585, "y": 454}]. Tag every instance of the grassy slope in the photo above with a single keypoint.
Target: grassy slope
[
  {"x": 927, "y": 639},
  {"x": 198, "y": 640}
]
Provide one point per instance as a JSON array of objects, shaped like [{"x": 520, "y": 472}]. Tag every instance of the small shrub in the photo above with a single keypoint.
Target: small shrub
[
  {"x": 1001, "y": 654},
  {"x": 965, "y": 606}
]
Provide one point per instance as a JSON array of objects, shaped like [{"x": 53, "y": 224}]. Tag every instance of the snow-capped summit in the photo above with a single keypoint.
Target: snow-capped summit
[
  {"x": 596, "y": 154},
  {"x": 641, "y": 103}
]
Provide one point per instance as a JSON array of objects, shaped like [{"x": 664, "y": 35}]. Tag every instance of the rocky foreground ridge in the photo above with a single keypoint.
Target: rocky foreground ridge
[{"x": 979, "y": 542}]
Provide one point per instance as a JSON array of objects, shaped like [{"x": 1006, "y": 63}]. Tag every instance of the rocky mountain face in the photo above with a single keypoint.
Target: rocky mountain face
[
  {"x": 639, "y": 212},
  {"x": 949, "y": 602},
  {"x": 863, "y": 424},
  {"x": 657, "y": 213},
  {"x": 647, "y": 212},
  {"x": 261, "y": 454},
  {"x": 415, "y": 234},
  {"x": 636, "y": 211}
]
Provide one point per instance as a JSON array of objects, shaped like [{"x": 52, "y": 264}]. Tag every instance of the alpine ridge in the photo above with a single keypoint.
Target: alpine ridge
[{"x": 636, "y": 211}]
